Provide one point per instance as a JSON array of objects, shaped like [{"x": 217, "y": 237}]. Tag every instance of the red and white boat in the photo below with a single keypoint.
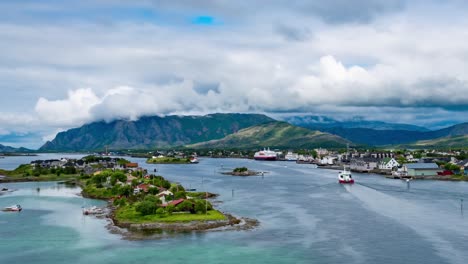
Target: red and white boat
[
  {"x": 344, "y": 177},
  {"x": 13, "y": 208},
  {"x": 265, "y": 155}
]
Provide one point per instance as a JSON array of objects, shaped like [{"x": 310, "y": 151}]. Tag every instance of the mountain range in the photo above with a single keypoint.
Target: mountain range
[
  {"x": 8, "y": 149},
  {"x": 279, "y": 135},
  {"x": 316, "y": 122},
  {"x": 152, "y": 132},
  {"x": 249, "y": 131}
]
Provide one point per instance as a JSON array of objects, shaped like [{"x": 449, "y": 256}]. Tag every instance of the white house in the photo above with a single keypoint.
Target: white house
[
  {"x": 388, "y": 164},
  {"x": 328, "y": 160},
  {"x": 162, "y": 196}
]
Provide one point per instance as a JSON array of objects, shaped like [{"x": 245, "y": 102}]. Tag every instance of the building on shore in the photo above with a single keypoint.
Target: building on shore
[
  {"x": 421, "y": 169},
  {"x": 388, "y": 164},
  {"x": 364, "y": 164}
]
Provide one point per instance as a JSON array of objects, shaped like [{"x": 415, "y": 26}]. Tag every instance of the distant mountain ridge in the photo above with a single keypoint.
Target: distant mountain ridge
[
  {"x": 394, "y": 137},
  {"x": 152, "y": 132},
  {"x": 8, "y": 149},
  {"x": 275, "y": 135},
  {"x": 317, "y": 122}
]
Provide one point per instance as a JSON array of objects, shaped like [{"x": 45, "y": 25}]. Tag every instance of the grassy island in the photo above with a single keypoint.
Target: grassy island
[
  {"x": 242, "y": 171},
  {"x": 168, "y": 160},
  {"x": 139, "y": 199}
]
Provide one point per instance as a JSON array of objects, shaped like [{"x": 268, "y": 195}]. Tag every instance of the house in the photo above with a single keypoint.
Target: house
[
  {"x": 162, "y": 195},
  {"x": 463, "y": 166},
  {"x": 421, "y": 169},
  {"x": 363, "y": 164},
  {"x": 388, "y": 164},
  {"x": 142, "y": 188},
  {"x": 328, "y": 160}
]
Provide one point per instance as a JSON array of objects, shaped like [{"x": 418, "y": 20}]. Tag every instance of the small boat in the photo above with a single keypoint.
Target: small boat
[
  {"x": 291, "y": 156},
  {"x": 13, "y": 208},
  {"x": 194, "y": 160},
  {"x": 93, "y": 210},
  {"x": 344, "y": 177}
]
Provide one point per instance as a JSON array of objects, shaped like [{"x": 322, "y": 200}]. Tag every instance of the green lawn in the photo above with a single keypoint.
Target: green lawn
[{"x": 128, "y": 214}]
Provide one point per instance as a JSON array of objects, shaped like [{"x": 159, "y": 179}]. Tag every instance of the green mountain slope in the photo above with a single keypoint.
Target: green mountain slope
[
  {"x": 275, "y": 135},
  {"x": 445, "y": 142},
  {"x": 151, "y": 132}
]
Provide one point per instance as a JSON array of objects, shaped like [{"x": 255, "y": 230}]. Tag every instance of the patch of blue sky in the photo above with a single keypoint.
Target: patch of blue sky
[{"x": 205, "y": 21}]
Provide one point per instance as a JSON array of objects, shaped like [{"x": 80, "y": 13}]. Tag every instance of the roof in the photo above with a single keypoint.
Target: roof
[
  {"x": 421, "y": 166},
  {"x": 175, "y": 202},
  {"x": 131, "y": 165},
  {"x": 386, "y": 160}
]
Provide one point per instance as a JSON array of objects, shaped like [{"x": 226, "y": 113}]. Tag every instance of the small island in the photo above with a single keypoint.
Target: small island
[
  {"x": 151, "y": 203},
  {"x": 242, "y": 171}
]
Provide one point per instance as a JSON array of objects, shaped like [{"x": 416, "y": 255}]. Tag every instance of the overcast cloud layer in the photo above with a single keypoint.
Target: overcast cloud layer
[{"x": 64, "y": 65}]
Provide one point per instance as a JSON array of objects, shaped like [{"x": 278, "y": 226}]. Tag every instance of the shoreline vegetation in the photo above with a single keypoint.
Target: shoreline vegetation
[{"x": 168, "y": 160}]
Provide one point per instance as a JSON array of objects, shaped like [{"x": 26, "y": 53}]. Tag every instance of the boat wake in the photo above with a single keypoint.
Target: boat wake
[{"x": 425, "y": 221}]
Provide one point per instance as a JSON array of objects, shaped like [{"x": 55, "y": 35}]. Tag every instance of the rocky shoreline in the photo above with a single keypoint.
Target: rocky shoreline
[{"x": 159, "y": 230}]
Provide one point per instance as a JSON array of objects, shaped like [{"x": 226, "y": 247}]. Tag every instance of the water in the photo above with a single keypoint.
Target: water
[{"x": 306, "y": 217}]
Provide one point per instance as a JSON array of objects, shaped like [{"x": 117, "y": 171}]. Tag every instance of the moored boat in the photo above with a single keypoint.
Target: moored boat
[
  {"x": 344, "y": 177},
  {"x": 291, "y": 156},
  {"x": 93, "y": 210},
  {"x": 13, "y": 208},
  {"x": 265, "y": 154},
  {"x": 194, "y": 160}
]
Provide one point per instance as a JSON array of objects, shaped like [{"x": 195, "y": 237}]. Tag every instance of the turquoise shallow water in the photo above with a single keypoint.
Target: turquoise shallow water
[{"x": 306, "y": 217}]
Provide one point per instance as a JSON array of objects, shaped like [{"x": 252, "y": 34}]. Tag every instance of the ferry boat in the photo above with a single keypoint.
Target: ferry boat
[
  {"x": 291, "y": 156},
  {"x": 13, "y": 208},
  {"x": 265, "y": 154},
  {"x": 344, "y": 177}
]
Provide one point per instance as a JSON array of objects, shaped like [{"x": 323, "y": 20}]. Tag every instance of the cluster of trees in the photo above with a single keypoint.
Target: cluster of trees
[
  {"x": 241, "y": 169},
  {"x": 28, "y": 170},
  {"x": 105, "y": 185},
  {"x": 152, "y": 205}
]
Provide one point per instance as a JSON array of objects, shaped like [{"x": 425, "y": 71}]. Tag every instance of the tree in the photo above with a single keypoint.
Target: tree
[
  {"x": 200, "y": 206},
  {"x": 179, "y": 195},
  {"x": 185, "y": 206},
  {"x": 146, "y": 208},
  {"x": 126, "y": 190}
]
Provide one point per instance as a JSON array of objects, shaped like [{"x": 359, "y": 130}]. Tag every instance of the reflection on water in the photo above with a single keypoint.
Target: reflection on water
[{"x": 305, "y": 216}]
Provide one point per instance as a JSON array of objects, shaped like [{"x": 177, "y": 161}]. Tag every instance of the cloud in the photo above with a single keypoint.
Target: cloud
[
  {"x": 73, "y": 110},
  {"x": 146, "y": 57}
]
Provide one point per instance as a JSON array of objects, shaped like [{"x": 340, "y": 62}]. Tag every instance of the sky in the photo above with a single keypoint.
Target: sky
[{"x": 67, "y": 63}]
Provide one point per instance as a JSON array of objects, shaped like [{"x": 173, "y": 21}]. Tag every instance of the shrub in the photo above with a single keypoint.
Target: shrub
[
  {"x": 241, "y": 169},
  {"x": 160, "y": 211},
  {"x": 170, "y": 208}
]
